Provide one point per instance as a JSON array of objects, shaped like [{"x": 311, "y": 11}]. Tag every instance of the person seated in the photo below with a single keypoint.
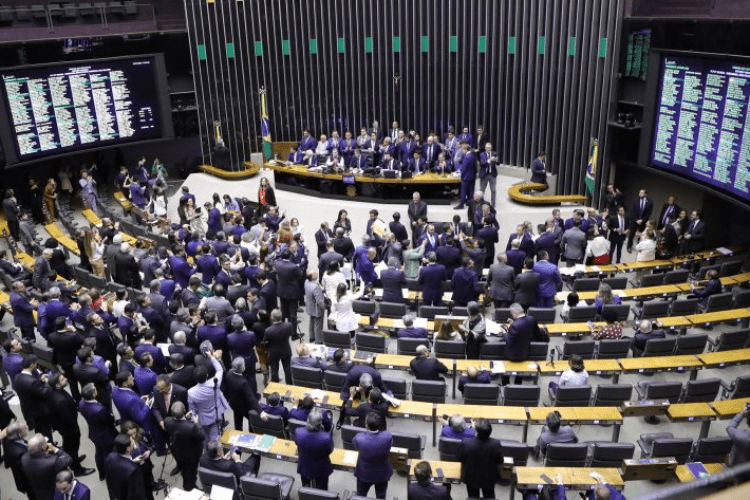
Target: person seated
[
  {"x": 295, "y": 157},
  {"x": 305, "y": 359},
  {"x": 643, "y": 334},
  {"x": 423, "y": 489},
  {"x": 474, "y": 375},
  {"x": 358, "y": 160},
  {"x": 712, "y": 287},
  {"x": 605, "y": 296},
  {"x": 303, "y": 411},
  {"x": 553, "y": 432},
  {"x": 416, "y": 165},
  {"x": 410, "y": 331},
  {"x": 572, "y": 300},
  {"x": 340, "y": 362},
  {"x": 389, "y": 164},
  {"x": 442, "y": 165},
  {"x": 612, "y": 329},
  {"x": 575, "y": 375},
  {"x": 426, "y": 368},
  {"x": 456, "y": 427},
  {"x": 13, "y": 269},
  {"x": 274, "y": 406},
  {"x": 335, "y": 162},
  {"x": 602, "y": 490},
  {"x": 375, "y": 403},
  {"x": 215, "y": 459}
]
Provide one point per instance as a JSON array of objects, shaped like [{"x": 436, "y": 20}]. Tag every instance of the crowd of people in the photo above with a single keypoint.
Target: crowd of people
[{"x": 225, "y": 295}]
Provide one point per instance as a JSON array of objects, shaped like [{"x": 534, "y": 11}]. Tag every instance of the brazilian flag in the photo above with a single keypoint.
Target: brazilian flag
[
  {"x": 590, "y": 179},
  {"x": 265, "y": 126}
]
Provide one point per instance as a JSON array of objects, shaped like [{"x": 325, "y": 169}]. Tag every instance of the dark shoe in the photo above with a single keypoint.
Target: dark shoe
[
  {"x": 161, "y": 453},
  {"x": 652, "y": 420},
  {"x": 81, "y": 458},
  {"x": 158, "y": 485},
  {"x": 83, "y": 471},
  {"x": 175, "y": 471},
  {"x": 458, "y": 207}
]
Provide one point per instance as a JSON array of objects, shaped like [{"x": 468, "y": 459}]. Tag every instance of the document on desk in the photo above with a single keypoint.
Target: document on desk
[
  {"x": 179, "y": 494},
  {"x": 265, "y": 443},
  {"x": 498, "y": 367},
  {"x": 317, "y": 394},
  {"x": 697, "y": 469},
  {"x": 221, "y": 493},
  {"x": 724, "y": 251},
  {"x": 350, "y": 457}
]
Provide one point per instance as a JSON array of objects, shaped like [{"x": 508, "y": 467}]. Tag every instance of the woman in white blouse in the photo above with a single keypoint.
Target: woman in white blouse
[
  {"x": 574, "y": 376},
  {"x": 341, "y": 308},
  {"x": 646, "y": 248}
]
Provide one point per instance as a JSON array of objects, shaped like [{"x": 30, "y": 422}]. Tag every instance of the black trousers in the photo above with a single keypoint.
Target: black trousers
[
  {"x": 72, "y": 382},
  {"x": 14, "y": 229},
  {"x": 289, "y": 311},
  {"x": 363, "y": 487},
  {"x": 321, "y": 484},
  {"x": 71, "y": 443},
  {"x": 101, "y": 450},
  {"x": 286, "y": 363},
  {"x": 189, "y": 470},
  {"x": 473, "y": 491}
]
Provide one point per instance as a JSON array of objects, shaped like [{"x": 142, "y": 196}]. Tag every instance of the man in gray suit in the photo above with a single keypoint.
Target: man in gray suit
[
  {"x": 741, "y": 440},
  {"x": 315, "y": 306},
  {"x": 42, "y": 269},
  {"x": 553, "y": 432},
  {"x": 218, "y": 303},
  {"x": 500, "y": 281},
  {"x": 329, "y": 256},
  {"x": 12, "y": 212},
  {"x": 574, "y": 244}
]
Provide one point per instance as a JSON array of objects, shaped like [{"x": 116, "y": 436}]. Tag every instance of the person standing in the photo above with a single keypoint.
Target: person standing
[
  {"x": 88, "y": 190},
  {"x": 277, "y": 337},
  {"x": 423, "y": 489},
  {"x": 488, "y": 161},
  {"x": 549, "y": 280},
  {"x": 539, "y": 170},
  {"x": 417, "y": 209},
  {"x": 314, "y": 447},
  {"x": 65, "y": 421},
  {"x": 124, "y": 476},
  {"x": 68, "y": 488},
  {"x": 23, "y": 307},
  {"x": 481, "y": 458},
  {"x": 374, "y": 460},
  {"x": 206, "y": 399},
  {"x": 500, "y": 282},
  {"x": 239, "y": 393},
  {"x": 315, "y": 307},
  {"x": 640, "y": 212},
  {"x": 12, "y": 213},
  {"x": 522, "y": 332},
  {"x": 468, "y": 176},
  {"x": 32, "y": 390},
  {"x": 187, "y": 438},
  {"x": 288, "y": 278},
  {"x": 101, "y": 425},
  {"x": 41, "y": 465}
]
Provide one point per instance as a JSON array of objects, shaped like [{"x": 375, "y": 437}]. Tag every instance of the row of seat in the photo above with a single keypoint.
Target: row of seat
[{"x": 67, "y": 11}]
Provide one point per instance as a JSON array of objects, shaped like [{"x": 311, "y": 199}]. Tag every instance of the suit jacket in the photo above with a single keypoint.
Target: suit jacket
[
  {"x": 33, "y": 394},
  {"x": 124, "y": 478},
  {"x": 546, "y": 241},
  {"x": 315, "y": 304},
  {"x": 40, "y": 277},
  {"x": 429, "y": 491},
  {"x": 374, "y": 461},
  {"x": 697, "y": 232},
  {"x": 640, "y": 338},
  {"x": 549, "y": 278},
  {"x": 268, "y": 293},
  {"x": 205, "y": 401},
  {"x": 160, "y": 409},
  {"x": 399, "y": 230},
  {"x": 184, "y": 377},
  {"x": 637, "y": 213},
  {"x": 431, "y": 278},
  {"x": 516, "y": 259},
  {"x": 41, "y": 471},
  {"x": 277, "y": 336},
  {"x": 80, "y": 492},
  {"x": 574, "y": 244},
  {"x": 221, "y": 464},
  {"x": 352, "y": 379},
  {"x": 487, "y": 167},
  {"x": 289, "y": 276},
  {"x": 181, "y": 271},
  {"x": 666, "y": 211},
  {"x": 521, "y": 333},
  {"x": 417, "y": 210},
  {"x": 500, "y": 280},
  {"x": 427, "y": 368},
  {"x": 65, "y": 411},
  {"x": 327, "y": 258},
  {"x": 613, "y": 223},
  {"x": 313, "y": 453},
  {"x": 450, "y": 257},
  {"x": 101, "y": 422},
  {"x": 23, "y": 311},
  {"x": 431, "y": 246},
  {"x": 321, "y": 238},
  {"x": 131, "y": 407},
  {"x": 712, "y": 288},
  {"x": 127, "y": 270},
  {"x": 525, "y": 288},
  {"x": 239, "y": 394},
  {"x": 393, "y": 280},
  {"x": 66, "y": 345},
  {"x": 13, "y": 452},
  {"x": 489, "y": 235},
  {"x": 13, "y": 364},
  {"x": 741, "y": 441},
  {"x": 479, "y": 461},
  {"x": 538, "y": 171},
  {"x": 186, "y": 438},
  {"x": 465, "y": 285}
]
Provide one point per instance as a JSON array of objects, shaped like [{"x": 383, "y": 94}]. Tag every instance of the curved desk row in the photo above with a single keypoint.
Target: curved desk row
[
  {"x": 250, "y": 170},
  {"x": 520, "y": 193},
  {"x": 302, "y": 171}
]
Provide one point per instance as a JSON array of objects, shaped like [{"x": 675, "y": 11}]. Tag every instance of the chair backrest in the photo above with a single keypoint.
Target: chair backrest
[
  {"x": 364, "y": 306},
  {"x": 413, "y": 284},
  {"x": 542, "y": 314},
  {"x": 712, "y": 450},
  {"x": 481, "y": 394},
  {"x": 719, "y": 302},
  {"x": 412, "y": 442},
  {"x": 398, "y": 386},
  {"x": 430, "y": 391},
  {"x": 655, "y": 309},
  {"x": 613, "y": 348},
  {"x": 408, "y": 346},
  {"x": 730, "y": 268},
  {"x": 339, "y": 340},
  {"x": 586, "y": 284},
  {"x": 704, "y": 269},
  {"x": 307, "y": 376},
  {"x": 448, "y": 449},
  {"x": 584, "y": 348},
  {"x": 659, "y": 347},
  {"x": 612, "y": 394},
  {"x": 307, "y": 493},
  {"x": 521, "y": 395},
  {"x": 347, "y": 435},
  {"x": 651, "y": 280},
  {"x": 677, "y": 276},
  {"x": 704, "y": 390},
  {"x": 273, "y": 426},
  {"x": 519, "y": 452},
  {"x": 453, "y": 349},
  {"x": 292, "y": 425},
  {"x": 392, "y": 310},
  {"x": 369, "y": 342},
  {"x": 679, "y": 448},
  {"x": 210, "y": 477},
  {"x": 430, "y": 312},
  {"x": 45, "y": 355},
  {"x": 683, "y": 307},
  {"x": 742, "y": 299},
  {"x": 581, "y": 314},
  {"x": 573, "y": 396},
  {"x": 254, "y": 488},
  {"x": 741, "y": 388},
  {"x": 691, "y": 344},
  {"x": 618, "y": 283},
  {"x": 664, "y": 390},
  {"x": 501, "y": 314},
  {"x": 459, "y": 311},
  {"x": 492, "y": 350},
  {"x": 621, "y": 310},
  {"x": 611, "y": 454},
  {"x": 733, "y": 340},
  {"x": 333, "y": 380},
  {"x": 566, "y": 455},
  {"x": 538, "y": 351}
]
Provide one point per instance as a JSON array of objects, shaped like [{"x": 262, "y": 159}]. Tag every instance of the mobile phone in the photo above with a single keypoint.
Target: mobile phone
[
  {"x": 446, "y": 416},
  {"x": 590, "y": 323}
]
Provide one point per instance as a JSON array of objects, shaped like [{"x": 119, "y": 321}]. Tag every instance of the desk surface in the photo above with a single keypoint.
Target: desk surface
[
  {"x": 426, "y": 178},
  {"x": 451, "y": 470},
  {"x": 572, "y": 477},
  {"x": 511, "y": 367},
  {"x": 634, "y": 266},
  {"x": 568, "y": 328},
  {"x": 496, "y": 414},
  {"x": 729, "y": 408},
  {"x": 715, "y": 317},
  {"x": 724, "y": 358},
  {"x": 673, "y": 322},
  {"x": 677, "y": 363},
  {"x": 690, "y": 412},
  {"x": 519, "y": 193},
  {"x": 581, "y": 415},
  {"x": 390, "y": 323},
  {"x": 296, "y": 393},
  {"x": 592, "y": 366},
  {"x": 683, "y": 474}
]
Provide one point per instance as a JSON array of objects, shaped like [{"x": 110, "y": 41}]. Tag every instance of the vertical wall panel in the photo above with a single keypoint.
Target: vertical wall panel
[{"x": 526, "y": 100}]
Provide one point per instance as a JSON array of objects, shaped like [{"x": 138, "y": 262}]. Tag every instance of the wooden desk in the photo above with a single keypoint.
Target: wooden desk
[
  {"x": 26, "y": 260},
  {"x": 91, "y": 217},
  {"x": 572, "y": 415},
  {"x": 391, "y": 323},
  {"x": 648, "y": 291},
  {"x": 692, "y": 412},
  {"x": 729, "y": 408},
  {"x": 630, "y": 267},
  {"x": 495, "y": 414},
  {"x": 330, "y": 400},
  {"x": 683, "y": 474},
  {"x": 249, "y": 170},
  {"x": 400, "y": 362},
  {"x": 707, "y": 319},
  {"x": 673, "y": 322},
  {"x": 570, "y": 329},
  {"x": 662, "y": 364},
  {"x": 519, "y": 193},
  {"x": 592, "y": 366},
  {"x": 522, "y": 368},
  {"x": 707, "y": 255},
  {"x": 741, "y": 278},
  {"x": 723, "y": 359},
  {"x": 577, "y": 478},
  {"x": 302, "y": 171},
  {"x": 451, "y": 470}
]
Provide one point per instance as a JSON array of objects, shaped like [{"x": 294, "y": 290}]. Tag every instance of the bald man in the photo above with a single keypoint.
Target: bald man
[
  {"x": 426, "y": 368},
  {"x": 474, "y": 375}
]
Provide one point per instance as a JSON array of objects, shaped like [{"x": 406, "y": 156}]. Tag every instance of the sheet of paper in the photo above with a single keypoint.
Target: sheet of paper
[
  {"x": 420, "y": 322},
  {"x": 221, "y": 493},
  {"x": 317, "y": 394},
  {"x": 164, "y": 349},
  {"x": 350, "y": 457},
  {"x": 724, "y": 251},
  {"x": 580, "y": 268},
  {"x": 498, "y": 367}
]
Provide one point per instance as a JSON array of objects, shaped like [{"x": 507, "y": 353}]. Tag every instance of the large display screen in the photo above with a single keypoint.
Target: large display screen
[
  {"x": 702, "y": 123},
  {"x": 64, "y": 108}
]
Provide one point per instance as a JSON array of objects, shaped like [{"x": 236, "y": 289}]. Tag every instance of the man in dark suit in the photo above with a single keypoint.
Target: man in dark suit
[
  {"x": 640, "y": 213},
  {"x": 65, "y": 421},
  {"x": 711, "y": 288},
  {"x": 668, "y": 209},
  {"x": 165, "y": 394},
  {"x": 148, "y": 346},
  {"x": 267, "y": 290},
  {"x": 360, "y": 379},
  {"x": 525, "y": 285},
  {"x": 522, "y": 332},
  {"x": 215, "y": 459},
  {"x": 186, "y": 438},
  {"x": 431, "y": 279},
  {"x": 288, "y": 276},
  {"x": 41, "y": 464},
  {"x": 393, "y": 280},
  {"x": 468, "y": 175},
  {"x": 12, "y": 358},
  {"x": 475, "y": 209},
  {"x": 694, "y": 238},
  {"x": 14, "y": 448},
  {"x": 449, "y": 256},
  {"x": 373, "y": 404},
  {"x": 314, "y": 445},
  {"x": 740, "y": 453},
  {"x": 417, "y": 208},
  {"x": 32, "y": 390},
  {"x": 546, "y": 240},
  {"x": 343, "y": 245},
  {"x": 277, "y": 337},
  {"x": 500, "y": 282},
  {"x": 397, "y": 228},
  {"x": 42, "y": 270},
  {"x": 619, "y": 230},
  {"x": 423, "y": 489},
  {"x": 124, "y": 475},
  {"x": 426, "y": 368},
  {"x": 373, "y": 462},
  {"x": 643, "y": 334},
  {"x": 465, "y": 284},
  {"x": 539, "y": 169},
  {"x": 487, "y": 233},
  {"x": 68, "y": 488},
  {"x": 66, "y": 341},
  {"x": 126, "y": 268},
  {"x": 131, "y": 407},
  {"x": 23, "y": 310},
  {"x": 101, "y": 425},
  {"x": 481, "y": 458},
  {"x": 181, "y": 374},
  {"x": 240, "y": 395},
  {"x": 322, "y": 237},
  {"x": 106, "y": 341}
]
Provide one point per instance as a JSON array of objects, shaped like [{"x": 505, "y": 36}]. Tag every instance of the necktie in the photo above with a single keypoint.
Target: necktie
[
  {"x": 622, "y": 223},
  {"x": 67, "y": 496},
  {"x": 643, "y": 203},
  {"x": 429, "y": 152}
]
